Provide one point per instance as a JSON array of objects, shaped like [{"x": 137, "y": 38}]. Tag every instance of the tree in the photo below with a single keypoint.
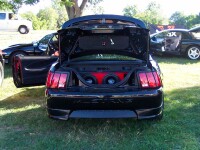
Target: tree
[
  {"x": 130, "y": 11},
  {"x": 60, "y": 10},
  {"x": 192, "y": 21},
  {"x": 152, "y": 14},
  {"x": 33, "y": 18},
  {"x": 178, "y": 18},
  {"x": 4, "y": 5},
  {"x": 48, "y": 17},
  {"x": 74, "y": 10},
  {"x": 14, "y": 5}
]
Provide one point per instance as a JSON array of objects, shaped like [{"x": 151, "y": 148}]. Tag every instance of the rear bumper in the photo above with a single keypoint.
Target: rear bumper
[{"x": 139, "y": 105}]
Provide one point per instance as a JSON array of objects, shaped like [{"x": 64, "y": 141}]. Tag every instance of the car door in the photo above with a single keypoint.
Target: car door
[
  {"x": 172, "y": 42},
  {"x": 31, "y": 70}
]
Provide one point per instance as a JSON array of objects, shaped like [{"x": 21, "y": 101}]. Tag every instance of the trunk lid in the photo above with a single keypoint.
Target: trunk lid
[{"x": 122, "y": 39}]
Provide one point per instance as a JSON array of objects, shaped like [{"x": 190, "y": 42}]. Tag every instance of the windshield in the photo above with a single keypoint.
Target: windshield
[{"x": 45, "y": 39}]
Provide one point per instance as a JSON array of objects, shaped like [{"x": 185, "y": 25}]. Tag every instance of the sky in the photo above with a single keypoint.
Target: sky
[{"x": 168, "y": 7}]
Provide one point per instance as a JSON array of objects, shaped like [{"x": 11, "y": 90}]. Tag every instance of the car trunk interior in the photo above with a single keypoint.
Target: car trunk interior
[{"x": 103, "y": 57}]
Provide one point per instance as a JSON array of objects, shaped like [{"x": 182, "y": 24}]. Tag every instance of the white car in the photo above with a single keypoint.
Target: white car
[{"x": 10, "y": 22}]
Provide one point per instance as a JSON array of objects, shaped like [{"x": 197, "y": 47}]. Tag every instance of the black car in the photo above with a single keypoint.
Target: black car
[
  {"x": 104, "y": 70},
  {"x": 177, "y": 42},
  {"x": 30, "y": 49},
  {"x": 1, "y": 68}
]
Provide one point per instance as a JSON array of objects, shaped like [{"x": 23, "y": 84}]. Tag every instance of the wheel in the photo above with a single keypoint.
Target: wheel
[
  {"x": 193, "y": 52},
  {"x": 23, "y": 30},
  {"x": 16, "y": 54},
  {"x": 1, "y": 73}
]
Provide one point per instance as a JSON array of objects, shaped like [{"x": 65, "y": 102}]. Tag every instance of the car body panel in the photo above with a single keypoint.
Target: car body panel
[{"x": 132, "y": 104}]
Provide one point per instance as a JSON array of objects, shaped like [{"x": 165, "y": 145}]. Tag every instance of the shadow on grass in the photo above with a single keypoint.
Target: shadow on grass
[
  {"x": 7, "y": 71},
  {"x": 29, "y": 96},
  {"x": 179, "y": 128}
]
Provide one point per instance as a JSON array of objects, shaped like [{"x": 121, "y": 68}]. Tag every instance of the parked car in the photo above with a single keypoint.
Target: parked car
[
  {"x": 11, "y": 22},
  {"x": 1, "y": 68},
  {"x": 29, "y": 49},
  {"x": 177, "y": 42},
  {"x": 104, "y": 70}
]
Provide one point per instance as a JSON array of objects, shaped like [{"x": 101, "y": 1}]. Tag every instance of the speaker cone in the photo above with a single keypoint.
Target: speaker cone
[
  {"x": 111, "y": 79},
  {"x": 90, "y": 79}
]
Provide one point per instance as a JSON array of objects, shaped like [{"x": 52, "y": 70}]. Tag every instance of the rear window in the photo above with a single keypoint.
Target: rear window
[{"x": 104, "y": 57}]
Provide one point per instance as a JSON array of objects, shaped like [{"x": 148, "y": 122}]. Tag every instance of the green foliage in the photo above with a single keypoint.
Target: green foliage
[
  {"x": 24, "y": 123},
  {"x": 68, "y": 3},
  {"x": 48, "y": 17},
  {"x": 32, "y": 17},
  {"x": 4, "y": 5},
  {"x": 178, "y": 18},
  {"x": 152, "y": 14},
  {"x": 60, "y": 10},
  {"x": 130, "y": 11},
  {"x": 14, "y": 5}
]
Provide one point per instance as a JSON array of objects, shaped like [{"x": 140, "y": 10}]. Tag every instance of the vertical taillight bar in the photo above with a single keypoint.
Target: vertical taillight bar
[
  {"x": 151, "y": 79},
  {"x": 49, "y": 78},
  {"x": 62, "y": 82},
  {"x": 143, "y": 80},
  {"x": 55, "y": 80}
]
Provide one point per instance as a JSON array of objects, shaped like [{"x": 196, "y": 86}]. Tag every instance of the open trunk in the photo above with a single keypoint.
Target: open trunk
[{"x": 93, "y": 55}]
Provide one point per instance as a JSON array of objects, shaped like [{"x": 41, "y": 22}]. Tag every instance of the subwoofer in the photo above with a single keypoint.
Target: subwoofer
[
  {"x": 111, "y": 79},
  {"x": 90, "y": 79}
]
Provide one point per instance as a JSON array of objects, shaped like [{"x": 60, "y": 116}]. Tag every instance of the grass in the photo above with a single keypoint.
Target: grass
[{"x": 24, "y": 123}]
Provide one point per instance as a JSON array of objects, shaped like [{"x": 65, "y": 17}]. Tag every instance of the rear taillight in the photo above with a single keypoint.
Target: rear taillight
[
  {"x": 149, "y": 80},
  {"x": 57, "y": 80}
]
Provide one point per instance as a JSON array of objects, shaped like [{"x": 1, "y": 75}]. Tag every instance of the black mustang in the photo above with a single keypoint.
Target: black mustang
[
  {"x": 177, "y": 42},
  {"x": 29, "y": 49},
  {"x": 104, "y": 70}
]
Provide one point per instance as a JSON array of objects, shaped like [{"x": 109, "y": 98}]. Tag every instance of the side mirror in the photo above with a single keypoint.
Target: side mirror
[
  {"x": 35, "y": 44},
  {"x": 154, "y": 39}
]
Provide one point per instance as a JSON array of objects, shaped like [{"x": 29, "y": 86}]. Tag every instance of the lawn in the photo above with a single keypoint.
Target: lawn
[{"x": 24, "y": 123}]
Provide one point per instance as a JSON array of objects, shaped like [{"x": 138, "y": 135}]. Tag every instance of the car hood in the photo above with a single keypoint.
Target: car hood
[
  {"x": 20, "y": 45},
  {"x": 101, "y": 38},
  {"x": 195, "y": 29}
]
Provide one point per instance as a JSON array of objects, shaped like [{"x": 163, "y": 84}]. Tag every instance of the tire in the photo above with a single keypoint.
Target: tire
[
  {"x": 193, "y": 52},
  {"x": 19, "y": 53},
  {"x": 1, "y": 73},
  {"x": 23, "y": 30},
  {"x": 16, "y": 74}
]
